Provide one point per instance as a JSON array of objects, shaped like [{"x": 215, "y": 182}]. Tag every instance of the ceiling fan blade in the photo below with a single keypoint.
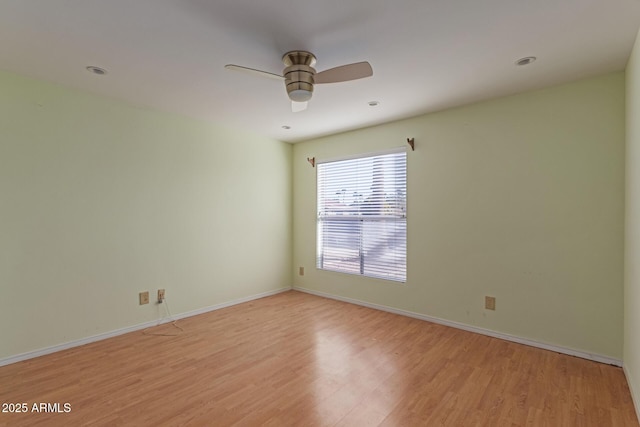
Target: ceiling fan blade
[
  {"x": 253, "y": 71},
  {"x": 296, "y": 107},
  {"x": 344, "y": 73}
]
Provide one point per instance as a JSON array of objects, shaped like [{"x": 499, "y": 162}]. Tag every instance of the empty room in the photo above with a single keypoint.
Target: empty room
[{"x": 338, "y": 213}]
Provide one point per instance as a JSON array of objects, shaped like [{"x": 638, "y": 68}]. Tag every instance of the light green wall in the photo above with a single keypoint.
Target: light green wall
[
  {"x": 632, "y": 228},
  {"x": 100, "y": 200},
  {"x": 520, "y": 198}
]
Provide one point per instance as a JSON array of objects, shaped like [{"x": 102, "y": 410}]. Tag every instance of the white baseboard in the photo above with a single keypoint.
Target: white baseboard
[
  {"x": 634, "y": 396},
  {"x": 48, "y": 350},
  {"x": 565, "y": 350},
  {"x": 578, "y": 353}
]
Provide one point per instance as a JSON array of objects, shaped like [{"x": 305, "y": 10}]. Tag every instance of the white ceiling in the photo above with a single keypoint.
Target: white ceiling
[{"x": 426, "y": 55}]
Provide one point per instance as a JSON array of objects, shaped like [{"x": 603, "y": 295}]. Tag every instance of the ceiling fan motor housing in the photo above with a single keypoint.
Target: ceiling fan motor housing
[{"x": 298, "y": 74}]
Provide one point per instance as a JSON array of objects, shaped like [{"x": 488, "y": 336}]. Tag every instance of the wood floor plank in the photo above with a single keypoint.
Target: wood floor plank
[{"x": 295, "y": 359}]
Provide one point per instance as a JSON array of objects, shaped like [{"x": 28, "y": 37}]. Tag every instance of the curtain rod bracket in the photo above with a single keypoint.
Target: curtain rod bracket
[
  {"x": 411, "y": 143},
  {"x": 312, "y": 161}
]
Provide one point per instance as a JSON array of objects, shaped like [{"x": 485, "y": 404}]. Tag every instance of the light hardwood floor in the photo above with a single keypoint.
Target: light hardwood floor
[{"x": 301, "y": 360}]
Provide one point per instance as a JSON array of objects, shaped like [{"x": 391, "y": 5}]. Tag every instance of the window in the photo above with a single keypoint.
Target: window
[{"x": 362, "y": 216}]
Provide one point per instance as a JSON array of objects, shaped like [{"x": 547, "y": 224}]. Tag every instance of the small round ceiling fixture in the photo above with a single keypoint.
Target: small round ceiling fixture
[
  {"x": 285, "y": 127},
  {"x": 373, "y": 103},
  {"x": 96, "y": 70},
  {"x": 525, "y": 61}
]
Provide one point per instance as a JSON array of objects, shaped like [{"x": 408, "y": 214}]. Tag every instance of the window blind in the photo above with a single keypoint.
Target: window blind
[{"x": 362, "y": 216}]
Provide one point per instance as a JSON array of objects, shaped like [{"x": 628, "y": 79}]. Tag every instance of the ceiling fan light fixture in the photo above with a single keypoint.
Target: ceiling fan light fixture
[
  {"x": 299, "y": 91},
  {"x": 300, "y": 95}
]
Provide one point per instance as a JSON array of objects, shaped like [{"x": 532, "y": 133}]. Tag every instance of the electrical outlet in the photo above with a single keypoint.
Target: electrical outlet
[
  {"x": 490, "y": 303},
  {"x": 160, "y": 295},
  {"x": 301, "y": 271},
  {"x": 144, "y": 297}
]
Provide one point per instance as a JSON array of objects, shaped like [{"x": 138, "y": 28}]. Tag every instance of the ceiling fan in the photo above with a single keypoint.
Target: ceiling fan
[{"x": 299, "y": 76}]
